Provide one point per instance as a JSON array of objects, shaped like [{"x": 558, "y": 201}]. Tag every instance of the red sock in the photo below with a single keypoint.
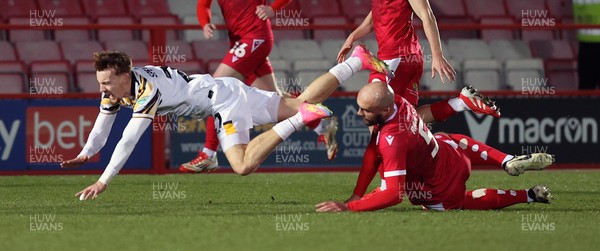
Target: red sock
[
  {"x": 478, "y": 152},
  {"x": 487, "y": 198},
  {"x": 211, "y": 142},
  {"x": 442, "y": 110}
]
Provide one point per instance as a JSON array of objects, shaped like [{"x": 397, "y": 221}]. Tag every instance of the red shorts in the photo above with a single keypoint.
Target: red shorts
[
  {"x": 453, "y": 168},
  {"x": 248, "y": 56},
  {"x": 407, "y": 70}
]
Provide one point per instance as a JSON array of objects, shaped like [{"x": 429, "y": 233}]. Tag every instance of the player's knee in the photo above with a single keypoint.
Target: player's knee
[{"x": 244, "y": 169}]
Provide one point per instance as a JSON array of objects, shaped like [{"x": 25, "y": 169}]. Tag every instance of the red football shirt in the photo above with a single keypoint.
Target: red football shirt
[
  {"x": 410, "y": 161},
  {"x": 240, "y": 17},
  {"x": 392, "y": 22}
]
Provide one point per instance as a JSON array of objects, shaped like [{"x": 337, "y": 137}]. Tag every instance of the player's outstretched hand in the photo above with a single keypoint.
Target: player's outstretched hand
[
  {"x": 344, "y": 50},
  {"x": 92, "y": 191},
  {"x": 264, "y": 12},
  {"x": 74, "y": 163},
  {"x": 209, "y": 30},
  {"x": 331, "y": 206},
  {"x": 443, "y": 68}
]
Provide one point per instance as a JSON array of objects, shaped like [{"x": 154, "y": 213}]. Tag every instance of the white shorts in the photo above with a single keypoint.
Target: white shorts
[{"x": 237, "y": 108}]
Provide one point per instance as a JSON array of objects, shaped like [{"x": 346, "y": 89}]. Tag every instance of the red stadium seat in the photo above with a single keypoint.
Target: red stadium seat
[
  {"x": 355, "y": 8},
  {"x": 321, "y": 35},
  {"x": 62, "y": 7},
  {"x": 560, "y": 8},
  {"x": 210, "y": 50},
  {"x": 2, "y": 32},
  {"x": 26, "y": 34},
  {"x": 569, "y": 34},
  {"x": 79, "y": 50},
  {"x": 520, "y": 9},
  {"x": 488, "y": 34},
  {"x": 96, "y": 8},
  {"x": 137, "y": 50},
  {"x": 182, "y": 48},
  {"x": 562, "y": 74},
  {"x": 53, "y": 75},
  {"x": 38, "y": 51},
  {"x": 115, "y": 35},
  {"x": 531, "y": 35},
  {"x": 575, "y": 47},
  {"x": 190, "y": 67},
  {"x": 16, "y": 8},
  {"x": 555, "y": 49},
  {"x": 478, "y": 8},
  {"x": 449, "y": 34},
  {"x": 420, "y": 32},
  {"x": 85, "y": 77},
  {"x": 313, "y": 8},
  {"x": 73, "y": 35},
  {"x": 7, "y": 52},
  {"x": 289, "y": 34},
  {"x": 448, "y": 8},
  {"x": 12, "y": 77},
  {"x": 164, "y": 20},
  {"x": 139, "y": 8}
]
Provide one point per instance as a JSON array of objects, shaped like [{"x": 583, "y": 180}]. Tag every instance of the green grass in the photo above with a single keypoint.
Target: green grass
[{"x": 229, "y": 212}]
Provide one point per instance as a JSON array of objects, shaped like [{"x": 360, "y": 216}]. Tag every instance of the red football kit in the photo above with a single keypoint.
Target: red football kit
[
  {"x": 429, "y": 170},
  {"x": 250, "y": 38},
  {"x": 398, "y": 46}
]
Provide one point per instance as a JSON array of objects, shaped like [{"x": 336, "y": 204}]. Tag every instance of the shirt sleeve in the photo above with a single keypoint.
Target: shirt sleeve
[
  {"x": 203, "y": 12},
  {"x": 392, "y": 147},
  {"x": 369, "y": 167},
  {"x": 107, "y": 106},
  {"x": 147, "y": 100},
  {"x": 98, "y": 135},
  {"x": 131, "y": 135},
  {"x": 278, "y": 4}
]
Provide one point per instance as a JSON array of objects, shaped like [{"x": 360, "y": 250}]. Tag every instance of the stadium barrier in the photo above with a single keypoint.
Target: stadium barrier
[
  {"x": 555, "y": 122},
  {"x": 58, "y": 127}
]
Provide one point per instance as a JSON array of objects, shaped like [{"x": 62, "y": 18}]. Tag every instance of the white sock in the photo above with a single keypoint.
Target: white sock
[
  {"x": 529, "y": 199},
  {"x": 286, "y": 127},
  {"x": 320, "y": 129},
  {"x": 344, "y": 70},
  {"x": 209, "y": 153},
  {"x": 458, "y": 104},
  {"x": 507, "y": 158}
]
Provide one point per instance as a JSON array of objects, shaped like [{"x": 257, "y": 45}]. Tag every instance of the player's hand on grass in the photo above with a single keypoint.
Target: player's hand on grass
[
  {"x": 344, "y": 50},
  {"x": 209, "y": 30},
  {"x": 74, "y": 163},
  {"x": 92, "y": 191},
  {"x": 331, "y": 206},
  {"x": 352, "y": 198},
  {"x": 264, "y": 12},
  {"x": 443, "y": 68}
]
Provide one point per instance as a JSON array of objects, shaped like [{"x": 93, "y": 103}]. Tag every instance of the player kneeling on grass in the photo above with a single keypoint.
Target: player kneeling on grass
[
  {"x": 430, "y": 170},
  {"x": 154, "y": 90}
]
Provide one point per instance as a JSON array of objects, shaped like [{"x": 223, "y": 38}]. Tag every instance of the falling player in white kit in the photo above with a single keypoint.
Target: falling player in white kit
[{"x": 154, "y": 90}]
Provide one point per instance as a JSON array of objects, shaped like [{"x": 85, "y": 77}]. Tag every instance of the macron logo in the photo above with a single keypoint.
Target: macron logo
[
  {"x": 478, "y": 127},
  {"x": 389, "y": 139}
]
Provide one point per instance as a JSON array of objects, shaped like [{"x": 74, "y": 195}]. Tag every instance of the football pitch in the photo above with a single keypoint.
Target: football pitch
[{"x": 276, "y": 212}]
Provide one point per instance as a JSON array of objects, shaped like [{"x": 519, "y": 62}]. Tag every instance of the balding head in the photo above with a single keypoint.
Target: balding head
[{"x": 375, "y": 102}]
